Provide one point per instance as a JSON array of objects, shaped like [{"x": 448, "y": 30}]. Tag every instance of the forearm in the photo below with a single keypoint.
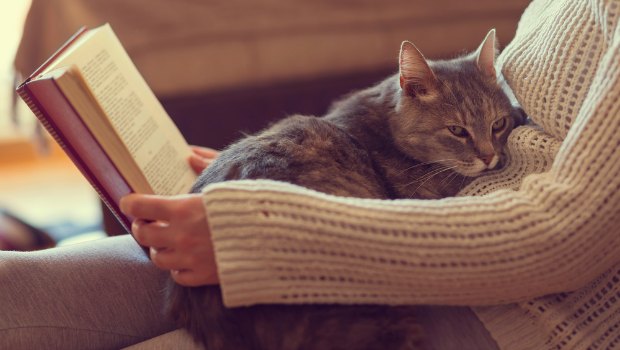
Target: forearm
[
  {"x": 280, "y": 243},
  {"x": 300, "y": 246}
]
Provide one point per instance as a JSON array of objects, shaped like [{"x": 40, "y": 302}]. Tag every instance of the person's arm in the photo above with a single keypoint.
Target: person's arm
[
  {"x": 175, "y": 228},
  {"x": 279, "y": 243}
]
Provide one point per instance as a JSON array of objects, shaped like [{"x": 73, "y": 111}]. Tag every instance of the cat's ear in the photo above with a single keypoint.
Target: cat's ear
[
  {"x": 416, "y": 77},
  {"x": 486, "y": 54}
]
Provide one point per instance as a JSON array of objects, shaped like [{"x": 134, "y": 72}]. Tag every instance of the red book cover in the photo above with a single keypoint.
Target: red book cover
[
  {"x": 60, "y": 106},
  {"x": 57, "y": 115}
]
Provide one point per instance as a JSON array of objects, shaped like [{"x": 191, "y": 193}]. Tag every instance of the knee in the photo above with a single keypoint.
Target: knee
[
  {"x": 14, "y": 274},
  {"x": 9, "y": 265}
]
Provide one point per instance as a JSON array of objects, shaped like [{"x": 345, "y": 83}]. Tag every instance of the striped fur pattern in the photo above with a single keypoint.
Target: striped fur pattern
[{"x": 422, "y": 133}]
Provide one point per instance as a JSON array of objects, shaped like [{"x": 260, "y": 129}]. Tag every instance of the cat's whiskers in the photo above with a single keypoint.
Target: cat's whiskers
[
  {"x": 439, "y": 171},
  {"x": 462, "y": 184},
  {"x": 426, "y": 177},
  {"x": 452, "y": 176},
  {"x": 429, "y": 174},
  {"x": 445, "y": 179},
  {"x": 439, "y": 162},
  {"x": 447, "y": 168},
  {"x": 423, "y": 177}
]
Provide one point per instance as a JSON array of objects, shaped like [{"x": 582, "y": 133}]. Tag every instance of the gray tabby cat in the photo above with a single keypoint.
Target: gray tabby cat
[{"x": 422, "y": 133}]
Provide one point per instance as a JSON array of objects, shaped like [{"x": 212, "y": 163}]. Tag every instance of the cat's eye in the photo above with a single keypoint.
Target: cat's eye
[
  {"x": 499, "y": 124},
  {"x": 458, "y": 131}
]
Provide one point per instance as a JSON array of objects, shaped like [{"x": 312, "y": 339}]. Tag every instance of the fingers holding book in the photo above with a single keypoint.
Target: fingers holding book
[
  {"x": 177, "y": 232},
  {"x": 201, "y": 158}
]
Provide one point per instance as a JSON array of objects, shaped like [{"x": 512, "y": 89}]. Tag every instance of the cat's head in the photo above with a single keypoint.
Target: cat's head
[{"x": 453, "y": 112}]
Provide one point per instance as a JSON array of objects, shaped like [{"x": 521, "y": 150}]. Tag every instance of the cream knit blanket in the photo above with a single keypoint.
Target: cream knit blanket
[{"x": 545, "y": 225}]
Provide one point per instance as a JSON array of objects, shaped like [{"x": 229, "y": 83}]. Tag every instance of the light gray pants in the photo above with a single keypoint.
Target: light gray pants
[
  {"x": 103, "y": 294},
  {"x": 106, "y": 294}
]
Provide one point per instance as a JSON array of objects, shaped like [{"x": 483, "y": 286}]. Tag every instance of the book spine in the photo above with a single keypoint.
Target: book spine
[{"x": 54, "y": 131}]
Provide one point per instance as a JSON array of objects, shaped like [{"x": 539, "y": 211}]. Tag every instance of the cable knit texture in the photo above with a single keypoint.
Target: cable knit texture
[{"x": 536, "y": 246}]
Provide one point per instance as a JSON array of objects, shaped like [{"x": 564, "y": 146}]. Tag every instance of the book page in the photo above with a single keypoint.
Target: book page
[{"x": 149, "y": 134}]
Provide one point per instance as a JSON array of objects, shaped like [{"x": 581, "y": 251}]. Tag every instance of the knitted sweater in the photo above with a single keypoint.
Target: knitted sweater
[{"x": 536, "y": 246}]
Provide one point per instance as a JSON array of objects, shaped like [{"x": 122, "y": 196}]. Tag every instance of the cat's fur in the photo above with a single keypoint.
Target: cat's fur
[{"x": 402, "y": 138}]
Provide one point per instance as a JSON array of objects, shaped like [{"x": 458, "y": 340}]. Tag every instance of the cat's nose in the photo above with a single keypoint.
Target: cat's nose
[{"x": 487, "y": 158}]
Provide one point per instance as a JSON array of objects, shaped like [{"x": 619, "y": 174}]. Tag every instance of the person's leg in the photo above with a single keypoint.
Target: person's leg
[{"x": 104, "y": 294}]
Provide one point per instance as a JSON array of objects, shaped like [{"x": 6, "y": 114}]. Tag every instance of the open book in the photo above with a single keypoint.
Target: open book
[{"x": 91, "y": 98}]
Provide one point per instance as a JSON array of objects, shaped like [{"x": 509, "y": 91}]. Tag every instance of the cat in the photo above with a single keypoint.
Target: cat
[{"x": 424, "y": 133}]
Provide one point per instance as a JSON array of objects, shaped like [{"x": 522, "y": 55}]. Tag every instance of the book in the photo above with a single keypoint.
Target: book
[{"x": 93, "y": 101}]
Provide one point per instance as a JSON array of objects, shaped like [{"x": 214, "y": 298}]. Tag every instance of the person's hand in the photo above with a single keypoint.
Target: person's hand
[
  {"x": 201, "y": 158},
  {"x": 176, "y": 230}
]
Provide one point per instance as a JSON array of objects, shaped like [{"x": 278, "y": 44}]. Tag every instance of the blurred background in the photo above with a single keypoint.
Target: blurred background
[
  {"x": 220, "y": 68},
  {"x": 38, "y": 184}
]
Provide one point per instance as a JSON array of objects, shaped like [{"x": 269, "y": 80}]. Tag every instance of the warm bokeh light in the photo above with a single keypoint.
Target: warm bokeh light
[
  {"x": 12, "y": 16},
  {"x": 30, "y": 184}
]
